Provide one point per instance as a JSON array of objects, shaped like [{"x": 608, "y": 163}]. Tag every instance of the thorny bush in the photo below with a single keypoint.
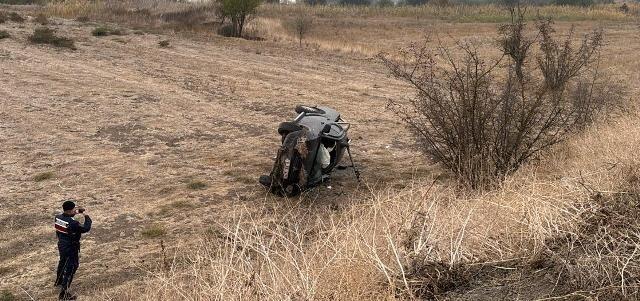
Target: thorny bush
[{"x": 482, "y": 119}]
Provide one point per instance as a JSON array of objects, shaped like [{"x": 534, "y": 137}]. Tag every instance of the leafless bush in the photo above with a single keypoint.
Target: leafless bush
[
  {"x": 300, "y": 25},
  {"x": 483, "y": 124}
]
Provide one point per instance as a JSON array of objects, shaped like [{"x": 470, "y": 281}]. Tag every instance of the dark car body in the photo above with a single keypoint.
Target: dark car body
[{"x": 297, "y": 167}]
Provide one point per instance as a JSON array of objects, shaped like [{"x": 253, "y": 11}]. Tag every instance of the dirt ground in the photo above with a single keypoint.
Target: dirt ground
[{"x": 124, "y": 125}]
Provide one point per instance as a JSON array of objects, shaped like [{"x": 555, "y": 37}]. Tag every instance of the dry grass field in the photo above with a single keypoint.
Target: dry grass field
[{"x": 164, "y": 146}]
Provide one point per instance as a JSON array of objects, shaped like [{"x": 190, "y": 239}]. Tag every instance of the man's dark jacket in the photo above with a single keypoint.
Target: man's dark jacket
[{"x": 69, "y": 230}]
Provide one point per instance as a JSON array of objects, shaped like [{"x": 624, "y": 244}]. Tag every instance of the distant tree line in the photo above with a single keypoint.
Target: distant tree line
[{"x": 387, "y": 3}]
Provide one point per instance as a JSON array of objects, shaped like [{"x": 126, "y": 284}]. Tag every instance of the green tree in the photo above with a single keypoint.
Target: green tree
[{"x": 239, "y": 12}]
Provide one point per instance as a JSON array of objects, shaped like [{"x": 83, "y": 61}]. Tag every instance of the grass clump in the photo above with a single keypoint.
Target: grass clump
[
  {"x": 100, "y": 32},
  {"x": 21, "y": 2},
  {"x": 182, "y": 204},
  {"x": 41, "y": 19},
  {"x": 103, "y": 31},
  {"x": 6, "y": 295},
  {"x": 163, "y": 43},
  {"x": 4, "y": 34},
  {"x": 154, "y": 231},
  {"x": 43, "y": 176},
  {"x": 45, "y": 35},
  {"x": 179, "y": 205},
  {"x": 3, "y": 17},
  {"x": 15, "y": 17},
  {"x": 196, "y": 185}
]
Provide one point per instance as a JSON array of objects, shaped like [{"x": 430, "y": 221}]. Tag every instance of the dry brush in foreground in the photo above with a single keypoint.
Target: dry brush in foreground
[{"x": 568, "y": 228}]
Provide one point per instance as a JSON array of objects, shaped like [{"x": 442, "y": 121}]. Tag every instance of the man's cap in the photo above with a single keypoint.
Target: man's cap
[{"x": 68, "y": 205}]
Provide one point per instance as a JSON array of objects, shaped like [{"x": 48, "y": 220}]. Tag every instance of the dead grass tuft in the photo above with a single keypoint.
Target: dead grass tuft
[
  {"x": 43, "y": 176},
  {"x": 182, "y": 204},
  {"x": 15, "y": 17},
  {"x": 41, "y": 19},
  {"x": 154, "y": 231},
  {"x": 6, "y": 295},
  {"x": 103, "y": 31},
  {"x": 196, "y": 185}
]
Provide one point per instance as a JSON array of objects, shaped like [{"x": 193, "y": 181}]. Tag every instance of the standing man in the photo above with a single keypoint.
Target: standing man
[{"x": 69, "y": 231}]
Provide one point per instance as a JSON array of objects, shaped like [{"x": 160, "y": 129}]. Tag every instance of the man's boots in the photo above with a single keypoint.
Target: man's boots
[{"x": 66, "y": 295}]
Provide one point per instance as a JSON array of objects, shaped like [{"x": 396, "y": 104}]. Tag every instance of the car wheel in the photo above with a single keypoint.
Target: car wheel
[
  {"x": 308, "y": 110},
  {"x": 288, "y": 127}
]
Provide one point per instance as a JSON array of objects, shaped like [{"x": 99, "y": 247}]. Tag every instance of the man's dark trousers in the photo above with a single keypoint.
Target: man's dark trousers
[{"x": 68, "y": 264}]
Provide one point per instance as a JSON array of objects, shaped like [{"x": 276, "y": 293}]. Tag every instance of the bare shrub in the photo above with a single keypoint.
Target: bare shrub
[
  {"x": 300, "y": 25},
  {"x": 483, "y": 124}
]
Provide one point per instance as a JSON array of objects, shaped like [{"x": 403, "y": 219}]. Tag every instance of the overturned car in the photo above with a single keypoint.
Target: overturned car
[{"x": 313, "y": 144}]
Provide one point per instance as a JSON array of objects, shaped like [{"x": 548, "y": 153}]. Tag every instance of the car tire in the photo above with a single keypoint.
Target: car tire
[
  {"x": 308, "y": 110},
  {"x": 288, "y": 127}
]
